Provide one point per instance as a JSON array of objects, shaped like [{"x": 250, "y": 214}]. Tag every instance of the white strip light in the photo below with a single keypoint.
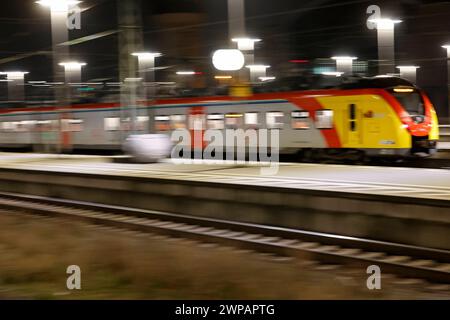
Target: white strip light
[
  {"x": 186, "y": 73},
  {"x": 58, "y": 5}
]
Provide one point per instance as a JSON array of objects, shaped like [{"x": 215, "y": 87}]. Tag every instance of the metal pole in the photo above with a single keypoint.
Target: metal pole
[
  {"x": 386, "y": 51},
  {"x": 16, "y": 86},
  {"x": 60, "y": 34},
  {"x": 409, "y": 73},
  {"x": 447, "y": 47},
  {"x": 148, "y": 67},
  {"x": 236, "y": 19},
  {"x": 386, "y": 44},
  {"x": 130, "y": 40}
]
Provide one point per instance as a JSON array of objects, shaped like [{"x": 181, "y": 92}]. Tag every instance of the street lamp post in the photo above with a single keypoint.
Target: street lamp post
[
  {"x": 409, "y": 73},
  {"x": 386, "y": 44},
  {"x": 146, "y": 61},
  {"x": 72, "y": 71},
  {"x": 236, "y": 18},
  {"x": 447, "y": 47},
  {"x": 72, "y": 74},
  {"x": 344, "y": 64},
  {"x": 257, "y": 71},
  {"x": 59, "y": 10},
  {"x": 146, "y": 69},
  {"x": 16, "y": 85},
  {"x": 247, "y": 46}
]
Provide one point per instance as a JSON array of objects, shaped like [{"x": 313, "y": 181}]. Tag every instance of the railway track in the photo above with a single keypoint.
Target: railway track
[{"x": 405, "y": 261}]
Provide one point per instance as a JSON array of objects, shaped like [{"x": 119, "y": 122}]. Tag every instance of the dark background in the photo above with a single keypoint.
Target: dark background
[{"x": 187, "y": 31}]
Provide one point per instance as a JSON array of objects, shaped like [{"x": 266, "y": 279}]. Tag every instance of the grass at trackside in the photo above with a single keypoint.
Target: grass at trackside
[{"x": 35, "y": 252}]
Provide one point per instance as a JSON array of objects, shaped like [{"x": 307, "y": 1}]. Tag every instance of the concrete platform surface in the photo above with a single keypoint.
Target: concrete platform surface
[{"x": 399, "y": 182}]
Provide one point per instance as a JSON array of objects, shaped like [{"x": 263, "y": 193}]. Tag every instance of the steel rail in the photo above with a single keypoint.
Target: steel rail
[{"x": 403, "y": 260}]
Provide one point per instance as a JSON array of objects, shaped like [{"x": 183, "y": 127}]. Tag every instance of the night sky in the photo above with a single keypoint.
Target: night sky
[{"x": 289, "y": 31}]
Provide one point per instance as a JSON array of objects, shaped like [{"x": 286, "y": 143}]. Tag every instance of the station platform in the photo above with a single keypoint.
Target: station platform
[
  {"x": 396, "y": 204},
  {"x": 391, "y": 181}
]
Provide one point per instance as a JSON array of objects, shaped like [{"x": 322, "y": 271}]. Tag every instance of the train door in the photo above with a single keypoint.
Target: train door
[
  {"x": 65, "y": 132},
  {"x": 197, "y": 127},
  {"x": 353, "y": 124}
]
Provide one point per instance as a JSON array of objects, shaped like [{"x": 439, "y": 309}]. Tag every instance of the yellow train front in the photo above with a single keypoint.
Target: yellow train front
[{"x": 373, "y": 117}]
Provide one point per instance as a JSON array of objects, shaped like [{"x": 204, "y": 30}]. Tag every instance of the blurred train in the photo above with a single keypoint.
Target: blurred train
[{"x": 381, "y": 116}]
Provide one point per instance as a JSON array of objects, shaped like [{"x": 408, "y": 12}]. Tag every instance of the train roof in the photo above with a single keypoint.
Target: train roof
[
  {"x": 321, "y": 82},
  {"x": 379, "y": 82}
]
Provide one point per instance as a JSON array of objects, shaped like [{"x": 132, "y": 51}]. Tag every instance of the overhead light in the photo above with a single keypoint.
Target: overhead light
[
  {"x": 228, "y": 60},
  {"x": 344, "y": 58},
  {"x": 223, "y": 77},
  {"x": 256, "y": 67},
  {"x": 385, "y": 20},
  {"x": 146, "y": 55},
  {"x": 37, "y": 82},
  {"x": 408, "y": 67},
  {"x": 447, "y": 46},
  {"x": 133, "y": 79},
  {"x": 245, "y": 40},
  {"x": 385, "y": 23},
  {"x": 264, "y": 79},
  {"x": 13, "y": 73},
  {"x": 188, "y": 73},
  {"x": 403, "y": 90},
  {"x": 246, "y": 44},
  {"x": 58, "y": 5},
  {"x": 333, "y": 74},
  {"x": 72, "y": 65}
]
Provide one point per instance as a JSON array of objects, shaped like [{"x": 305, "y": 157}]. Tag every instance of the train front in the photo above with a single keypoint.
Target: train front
[{"x": 419, "y": 117}]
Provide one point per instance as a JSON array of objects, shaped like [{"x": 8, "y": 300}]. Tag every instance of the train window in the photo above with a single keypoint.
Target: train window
[
  {"x": 47, "y": 125},
  {"x": 112, "y": 124},
  {"x": 216, "y": 121},
  {"x": 17, "y": 126},
  {"x": 142, "y": 123},
  {"x": 29, "y": 125},
  {"x": 125, "y": 124},
  {"x": 251, "y": 119},
  {"x": 20, "y": 127},
  {"x": 234, "y": 120},
  {"x": 275, "y": 120},
  {"x": 197, "y": 122},
  {"x": 9, "y": 126},
  {"x": 76, "y": 125},
  {"x": 352, "y": 111},
  {"x": 300, "y": 120},
  {"x": 178, "y": 121},
  {"x": 162, "y": 123},
  {"x": 72, "y": 125},
  {"x": 324, "y": 119},
  {"x": 352, "y": 116}
]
